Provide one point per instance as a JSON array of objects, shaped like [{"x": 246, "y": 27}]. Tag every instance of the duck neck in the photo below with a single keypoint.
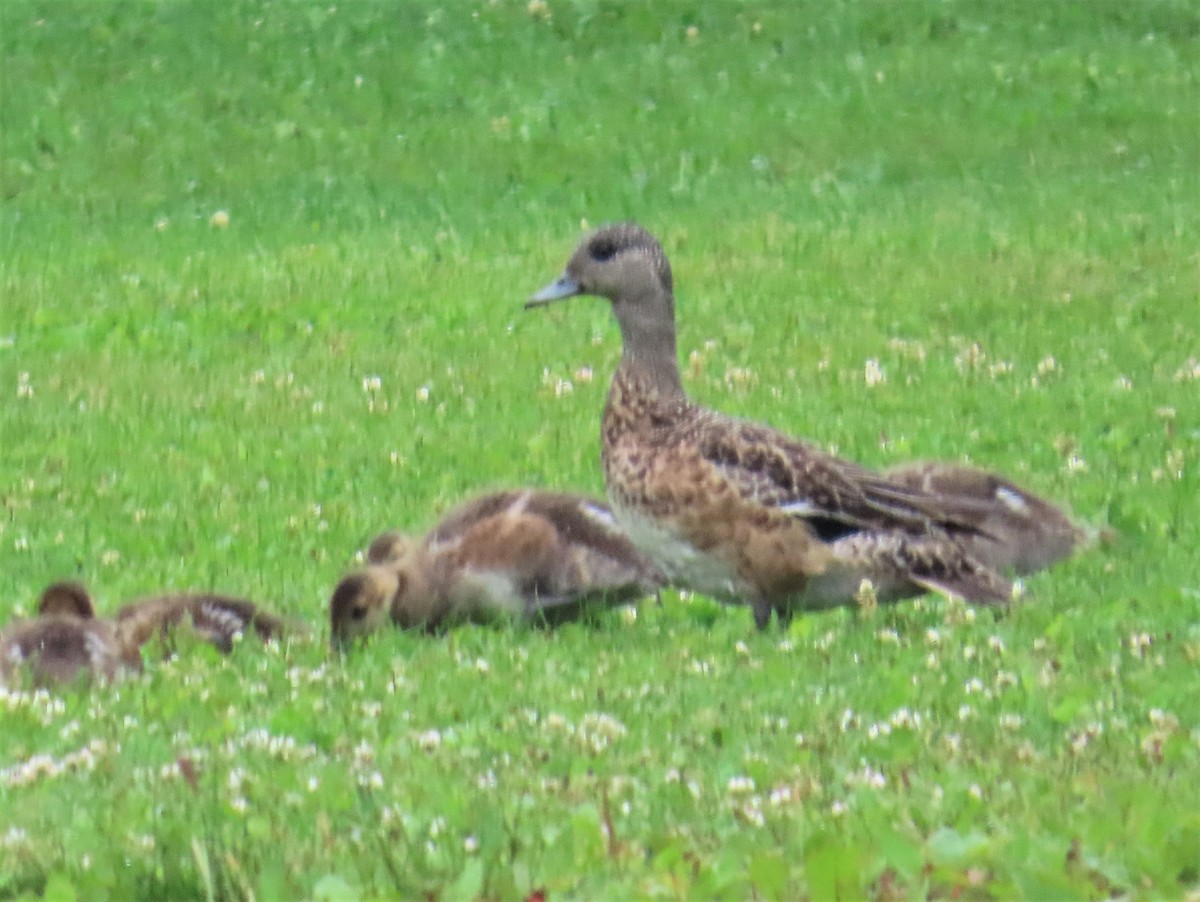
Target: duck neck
[{"x": 648, "y": 343}]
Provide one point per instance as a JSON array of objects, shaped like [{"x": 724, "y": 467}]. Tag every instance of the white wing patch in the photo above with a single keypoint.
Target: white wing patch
[
  {"x": 600, "y": 515},
  {"x": 1014, "y": 501},
  {"x": 801, "y": 508},
  {"x": 224, "y": 619}
]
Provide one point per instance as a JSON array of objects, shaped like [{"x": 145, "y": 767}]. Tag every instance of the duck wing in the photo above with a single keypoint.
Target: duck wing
[{"x": 835, "y": 496}]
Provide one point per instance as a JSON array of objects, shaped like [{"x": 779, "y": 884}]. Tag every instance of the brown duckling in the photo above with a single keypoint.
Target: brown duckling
[
  {"x": 217, "y": 619},
  {"x": 65, "y": 643},
  {"x": 527, "y": 554},
  {"x": 1019, "y": 531}
]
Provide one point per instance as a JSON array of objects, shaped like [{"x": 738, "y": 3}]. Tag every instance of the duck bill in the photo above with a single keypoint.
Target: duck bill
[{"x": 559, "y": 290}]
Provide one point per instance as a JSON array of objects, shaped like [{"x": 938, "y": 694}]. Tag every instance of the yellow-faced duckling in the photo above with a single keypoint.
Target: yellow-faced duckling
[{"x": 526, "y": 554}]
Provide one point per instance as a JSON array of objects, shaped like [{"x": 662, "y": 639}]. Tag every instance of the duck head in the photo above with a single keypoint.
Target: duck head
[
  {"x": 389, "y": 547},
  {"x": 618, "y": 262},
  {"x": 362, "y": 604},
  {"x": 625, "y": 264},
  {"x": 66, "y": 599}
]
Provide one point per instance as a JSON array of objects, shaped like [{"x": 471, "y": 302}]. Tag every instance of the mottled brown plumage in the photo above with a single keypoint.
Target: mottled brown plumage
[
  {"x": 526, "y": 554},
  {"x": 738, "y": 510},
  {"x": 65, "y": 643},
  {"x": 217, "y": 619},
  {"x": 1021, "y": 532}
]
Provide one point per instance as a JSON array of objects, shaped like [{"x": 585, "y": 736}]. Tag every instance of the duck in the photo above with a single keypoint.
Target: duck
[
  {"x": 740, "y": 511},
  {"x": 526, "y": 554},
  {"x": 1021, "y": 532},
  {"x": 65, "y": 643},
  {"x": 215, "y": 618}
]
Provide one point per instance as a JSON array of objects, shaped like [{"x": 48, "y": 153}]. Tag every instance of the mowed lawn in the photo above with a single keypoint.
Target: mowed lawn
[{"x": 262, "y": 268}]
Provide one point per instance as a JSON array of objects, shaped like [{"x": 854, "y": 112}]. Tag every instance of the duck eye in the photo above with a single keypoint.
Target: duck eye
[{"x": 603, "y": 250}]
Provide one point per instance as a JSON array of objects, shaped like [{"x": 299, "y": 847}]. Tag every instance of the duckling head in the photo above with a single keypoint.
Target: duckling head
[
  {"x": 389, "y": 547},
  {"x": 66, "y": 599},
  {"x": 361, "y": 604},
  {"x": 620, "y": 262}
]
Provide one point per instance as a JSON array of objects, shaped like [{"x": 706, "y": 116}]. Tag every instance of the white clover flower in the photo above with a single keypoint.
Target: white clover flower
[
  {"x": 782, "y": 795},
  {"x": 598, "y": 730},
  {"x": 876, "y": 730},
  {"x": 1011, "y": 721},
  {"x": 751, "y": 812},
  {"x": 740, "y": 785},
  {"x": 873, "y": 373}
]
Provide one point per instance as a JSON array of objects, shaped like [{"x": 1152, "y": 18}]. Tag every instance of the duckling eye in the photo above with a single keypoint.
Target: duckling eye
[
  {"x": 602, "y": 250},
  {"x": 358, "y": 613}
]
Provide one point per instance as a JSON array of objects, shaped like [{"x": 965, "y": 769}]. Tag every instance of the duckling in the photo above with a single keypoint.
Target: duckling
[
  {"x": 1020, "y": 532},
  {"x": 217, "y": 619},
  {"x": 737, "y": 510},
  {"x": 527, "y": 554},
  {"x": 362, "y": 603},
  {"x": 65, "y": 643}
]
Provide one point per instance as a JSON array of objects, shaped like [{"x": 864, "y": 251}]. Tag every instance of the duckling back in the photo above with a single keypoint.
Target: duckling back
[
  {"x": 215, "y": 618},
  {"x": 1018, "y": 531},
  {"x": 65, "y": 643}
]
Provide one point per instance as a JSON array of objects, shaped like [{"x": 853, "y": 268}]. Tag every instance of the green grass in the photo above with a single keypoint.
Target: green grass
[{"x": 997, "y": 203}]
